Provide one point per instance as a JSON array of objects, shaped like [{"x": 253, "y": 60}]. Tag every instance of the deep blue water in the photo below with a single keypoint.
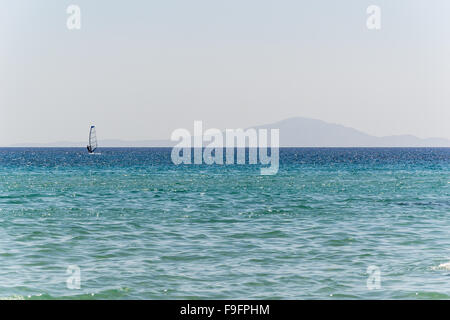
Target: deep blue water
[{"x": 139, "y": 227}]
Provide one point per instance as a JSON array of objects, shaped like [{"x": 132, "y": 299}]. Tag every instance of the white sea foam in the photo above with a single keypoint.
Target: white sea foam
[
  {"x": 13, "y": 297},
  {"x": 443, "y": 266}
]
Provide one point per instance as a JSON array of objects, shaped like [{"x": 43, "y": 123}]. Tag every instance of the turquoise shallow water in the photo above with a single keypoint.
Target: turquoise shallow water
[{"x": 139, "y": 227}]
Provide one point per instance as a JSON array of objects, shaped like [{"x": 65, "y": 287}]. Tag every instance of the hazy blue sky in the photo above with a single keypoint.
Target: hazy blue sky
[{"x": 140, "y": 69}]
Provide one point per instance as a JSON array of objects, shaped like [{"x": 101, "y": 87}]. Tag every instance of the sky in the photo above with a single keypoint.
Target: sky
[{"x": 139, "y": 70}]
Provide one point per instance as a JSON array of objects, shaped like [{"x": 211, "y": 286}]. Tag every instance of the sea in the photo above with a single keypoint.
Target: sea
[{"x": 127, "y": 223}]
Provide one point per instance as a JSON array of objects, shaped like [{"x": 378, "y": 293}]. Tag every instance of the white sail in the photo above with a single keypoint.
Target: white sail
[{"x": 92, "y": 139}]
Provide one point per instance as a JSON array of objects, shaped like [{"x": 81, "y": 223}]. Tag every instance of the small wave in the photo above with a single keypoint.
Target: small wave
[
  {"x": 443, "y": 266},
  {"x": 112, "y": 293},
  {"x": 13, "y": 297}
]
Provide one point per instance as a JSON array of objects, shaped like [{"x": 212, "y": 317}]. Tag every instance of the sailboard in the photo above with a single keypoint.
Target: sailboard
[{"x": 92, "y": 146}]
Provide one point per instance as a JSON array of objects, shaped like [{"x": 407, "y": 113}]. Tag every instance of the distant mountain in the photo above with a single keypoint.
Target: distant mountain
[
  {"x": 294, "y": 132},
  {"x": 304, "y": 132}
]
